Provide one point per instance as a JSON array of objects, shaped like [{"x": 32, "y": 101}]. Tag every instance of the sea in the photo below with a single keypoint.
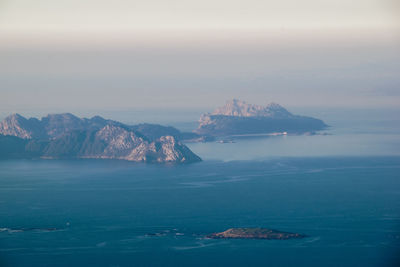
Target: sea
[{"x": 341, "y": 189}]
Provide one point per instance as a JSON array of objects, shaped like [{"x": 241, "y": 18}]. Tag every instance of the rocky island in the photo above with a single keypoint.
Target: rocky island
[
  {"x": 67, "y": 136},
  {"x": 254, "y": 233},
  {"x": 240, "y": 118}
]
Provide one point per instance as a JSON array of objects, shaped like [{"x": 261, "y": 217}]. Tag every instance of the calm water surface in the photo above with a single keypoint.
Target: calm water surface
[{"x": 342, "y": 190}]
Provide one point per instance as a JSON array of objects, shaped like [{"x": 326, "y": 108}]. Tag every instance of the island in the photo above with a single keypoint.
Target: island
[
  {"x": 238, "y": 118},
  {"x": 68, "y": 136},
  {"x": 254, "y": 233}
]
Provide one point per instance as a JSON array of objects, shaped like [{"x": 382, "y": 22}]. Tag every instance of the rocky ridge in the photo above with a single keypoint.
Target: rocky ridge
[
  {"x": 240, "y": 118},
  {"x": 67, "y": 136}
]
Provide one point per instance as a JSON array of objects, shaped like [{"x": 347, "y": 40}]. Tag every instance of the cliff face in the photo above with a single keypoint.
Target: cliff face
[
  {"x": 67, "y": 136},
  {"x": 16, "y": 125},
  {"x": 114, "y": 142},
  {"x": 239, "y": 118}
]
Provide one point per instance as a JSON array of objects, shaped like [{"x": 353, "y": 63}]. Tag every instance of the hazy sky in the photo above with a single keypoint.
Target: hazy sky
[
  {"x": 70, "y": 54},
  {"x": 105, "y": 15}
]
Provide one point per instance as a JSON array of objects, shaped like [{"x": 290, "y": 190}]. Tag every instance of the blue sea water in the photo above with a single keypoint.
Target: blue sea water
[{"x": 341, "y": 190}]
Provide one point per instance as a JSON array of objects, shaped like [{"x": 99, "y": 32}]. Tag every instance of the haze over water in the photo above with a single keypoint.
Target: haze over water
[{"x": 168, "y": 62}]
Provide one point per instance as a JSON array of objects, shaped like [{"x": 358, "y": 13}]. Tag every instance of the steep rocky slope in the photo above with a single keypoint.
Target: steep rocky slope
[{"x": 67, "y": 136}]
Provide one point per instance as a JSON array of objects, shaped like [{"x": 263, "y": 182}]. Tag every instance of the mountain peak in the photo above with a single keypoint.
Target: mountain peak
[
  {"x": 15, "y": 117},
  {"x": 60, "y": 116},
  {"x": 239, "y": 108},
  {"x": 97, "y": 118},
  {"x": 17, "y": 125},
  {"x": 274, "y": 105}
]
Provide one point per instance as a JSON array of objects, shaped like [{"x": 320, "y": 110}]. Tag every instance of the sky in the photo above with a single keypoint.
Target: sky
[
  {"x": 120, "y": 15},
  {"x": 70, "y": 54}
]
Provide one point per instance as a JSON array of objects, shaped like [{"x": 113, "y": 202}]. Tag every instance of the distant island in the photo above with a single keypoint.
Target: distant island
[
  {"x": 254, "y": 233},
  {"x": 240, "y": 118},
  {"x": 67, "y": 136}
]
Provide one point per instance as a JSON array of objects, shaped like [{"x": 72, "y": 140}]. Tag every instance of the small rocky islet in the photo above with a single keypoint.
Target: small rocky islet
[
  {"x": 254, "y": 233},
  {"x": 237, "y": 233}
]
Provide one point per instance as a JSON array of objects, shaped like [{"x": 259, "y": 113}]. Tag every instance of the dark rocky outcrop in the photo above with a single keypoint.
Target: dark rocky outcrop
[
  {"x": 155, "y": 131},
  {"x": 254, "y": 233}
]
